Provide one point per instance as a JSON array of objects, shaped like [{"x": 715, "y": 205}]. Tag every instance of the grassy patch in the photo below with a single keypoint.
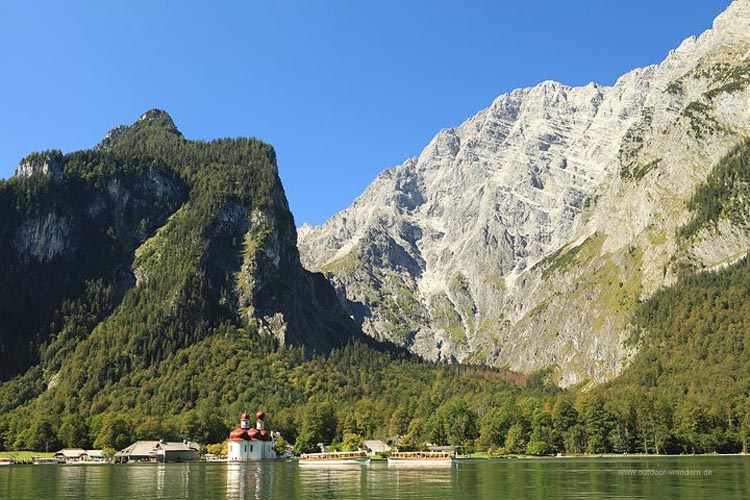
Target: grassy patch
[
  {"x": 496, "y": 281},
  {"x": 566, "y": 256},
  {"x": 346, "y": 264},
  {"x": 445, "y": 316},
  {"x": 639, "y": 171},
  {"x": 400, "y": 307},
  {"x": 619, "y": 288},
  {"x": 656, "y": 237},
  {"x": 24, "y": 455}
]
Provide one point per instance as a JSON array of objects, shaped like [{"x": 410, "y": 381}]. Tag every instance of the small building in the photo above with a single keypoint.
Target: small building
[
  {"x": 248, "y": 443},
  {"x": 140, "y": 451},
  {"x": 158, "y": 451},
  {"x": 176, "y": 452},
  {"x": 375, "y": 447},
  {"x": 96, "y": 456},
  {"x": 71, "y": 455}
]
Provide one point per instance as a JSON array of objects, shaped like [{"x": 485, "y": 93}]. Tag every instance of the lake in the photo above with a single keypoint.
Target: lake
[{"x": 716, "y": 478}]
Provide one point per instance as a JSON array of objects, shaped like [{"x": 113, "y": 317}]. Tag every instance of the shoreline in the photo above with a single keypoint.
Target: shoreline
[
  {"x": 25, "y": 456},
  {"x": 604, "y": 455}
]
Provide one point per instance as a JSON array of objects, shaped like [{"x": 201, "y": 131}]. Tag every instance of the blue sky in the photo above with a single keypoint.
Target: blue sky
[{"x": 342, "y": 89}]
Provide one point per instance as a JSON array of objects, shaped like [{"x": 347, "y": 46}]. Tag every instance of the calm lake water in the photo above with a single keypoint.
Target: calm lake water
[{"x": 606, "y": 478}]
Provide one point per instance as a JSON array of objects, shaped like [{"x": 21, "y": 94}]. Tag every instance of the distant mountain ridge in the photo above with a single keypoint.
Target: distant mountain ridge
[{"x": 526, "y": 236}]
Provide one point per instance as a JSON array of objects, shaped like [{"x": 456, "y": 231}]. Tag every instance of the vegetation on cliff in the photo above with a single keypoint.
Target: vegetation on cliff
[{"x": 162, "y": 329}]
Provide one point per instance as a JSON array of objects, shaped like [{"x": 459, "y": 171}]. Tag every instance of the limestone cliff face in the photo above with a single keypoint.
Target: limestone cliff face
[
  {"x": 525, "y": 236},
  {"x": 47, "y": 163}
]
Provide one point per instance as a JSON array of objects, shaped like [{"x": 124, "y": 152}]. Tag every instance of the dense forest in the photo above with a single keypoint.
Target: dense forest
[
  {"x": 177, "y": 350},
  {"x": 667, "y": 401}
]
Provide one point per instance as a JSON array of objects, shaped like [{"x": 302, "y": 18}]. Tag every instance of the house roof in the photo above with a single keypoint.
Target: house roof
[
  {"x": 176, "y": 446},
  {"x": 71, "y": 452},
  {"x": 376, "y": 446},
  {"x": 150, "y": 448},
  {"x": 95, "y": 453},
  {"x": 140, "y": 448}
]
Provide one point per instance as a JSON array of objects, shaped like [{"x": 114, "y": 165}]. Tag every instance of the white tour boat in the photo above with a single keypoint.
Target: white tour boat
[
  {"x": 335, "y": 458},
  {"x": 420, "y": 458}
]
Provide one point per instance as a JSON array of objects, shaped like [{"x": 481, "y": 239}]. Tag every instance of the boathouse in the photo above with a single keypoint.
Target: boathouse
[
  {"x": 71, "y": 455},
  {"x": 158, "y": 451},
  {"x": 375, "y": 446}
]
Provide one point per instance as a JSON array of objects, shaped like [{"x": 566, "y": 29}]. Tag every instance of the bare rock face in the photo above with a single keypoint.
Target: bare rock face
[
  {"x": 45, "y": 163},
  {"x": 44, "y": 237},
  {"x": 526, "y": 236}
]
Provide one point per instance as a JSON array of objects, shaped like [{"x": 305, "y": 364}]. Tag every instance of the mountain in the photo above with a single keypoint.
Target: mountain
[
  {"x": 151, "y": 288},
  {"x": 143, "y": 245},
  {"x": 527, "y": 236}
]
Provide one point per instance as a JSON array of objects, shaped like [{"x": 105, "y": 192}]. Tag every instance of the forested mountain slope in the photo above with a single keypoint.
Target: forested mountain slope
[{"x": 117, "y": 257}]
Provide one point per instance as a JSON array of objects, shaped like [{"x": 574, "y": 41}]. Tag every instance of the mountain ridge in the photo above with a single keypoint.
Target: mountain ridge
[{"x": 444, "y": 253}]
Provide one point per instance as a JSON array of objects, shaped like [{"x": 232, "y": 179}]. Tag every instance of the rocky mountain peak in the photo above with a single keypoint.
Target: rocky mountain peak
[
  {"x": 158, "y": 118},
  {"x": 518, "y": 237},
  {"x": 735, "y": 19},
  {"x": 153, "y": 120}
]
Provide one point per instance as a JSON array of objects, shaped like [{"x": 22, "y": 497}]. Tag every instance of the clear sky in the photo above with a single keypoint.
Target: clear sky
[{"x": 342, "y": 89}]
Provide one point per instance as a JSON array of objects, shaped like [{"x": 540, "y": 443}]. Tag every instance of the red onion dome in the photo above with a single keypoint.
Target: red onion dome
[
  {"x": 253, "y": 433},
  {"x": 239, "y": 434},
  {"x": 260, "y": 415},
  {"x": 244, "y": 416}
]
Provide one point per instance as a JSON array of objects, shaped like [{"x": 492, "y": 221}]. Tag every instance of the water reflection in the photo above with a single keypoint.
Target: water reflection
[
  {"x": 333, "y": 481},
  {"x": 249, "y": 480},
  {"x": 595, "y": 479},
  {"x": 141, "y": 479}
]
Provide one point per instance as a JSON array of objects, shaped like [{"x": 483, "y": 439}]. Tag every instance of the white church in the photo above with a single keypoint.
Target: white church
[{"x": 251, "y": 443}]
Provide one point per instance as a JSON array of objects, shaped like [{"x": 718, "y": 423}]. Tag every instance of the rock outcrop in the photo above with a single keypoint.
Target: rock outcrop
[{"x": 48, "y": 163}]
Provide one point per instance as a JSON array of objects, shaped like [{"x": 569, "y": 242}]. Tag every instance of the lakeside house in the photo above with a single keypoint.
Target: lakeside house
[
  {"x": 375, "y": 446},
  {"x": 72, "y": 455},
  {"x": 158, "y": 451},
  {"x": 96, "y": 456}
]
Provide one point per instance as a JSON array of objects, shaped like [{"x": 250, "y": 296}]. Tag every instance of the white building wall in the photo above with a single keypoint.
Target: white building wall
[{"x": 250, "y": 450}]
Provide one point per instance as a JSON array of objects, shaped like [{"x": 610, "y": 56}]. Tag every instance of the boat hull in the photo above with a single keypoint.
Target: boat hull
[
  {"x": 333, "y": 463},
  {"x": 399, "y": 462}
]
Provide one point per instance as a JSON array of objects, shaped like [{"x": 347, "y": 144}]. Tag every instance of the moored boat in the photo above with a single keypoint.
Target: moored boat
[
  {"x": 5, "y": 462},
  {"x": 45, "y": 461},
  {"x": 335, "y": 458},
  {"x": 421, "y": 458}
]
